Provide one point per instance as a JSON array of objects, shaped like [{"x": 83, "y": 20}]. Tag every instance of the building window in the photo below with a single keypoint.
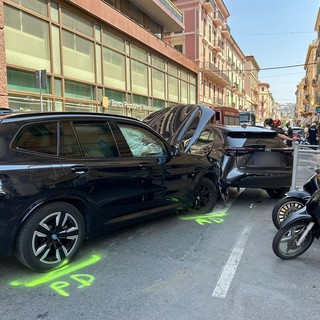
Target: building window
[
  {"x": 112, "y": 41},
  {"x": 27, "y": 40},
  {"x": 139, "y": 75},
  {"x": 79, "y": 90},
  {"x": 76, "y": 23},
  {"x": 114, "y": 74},
  {"x": 173, "y": 88},
  {"x": 158, "y": 83},
  {"x": 179, "y": 47},
  {"x": 78, "y": 57}
]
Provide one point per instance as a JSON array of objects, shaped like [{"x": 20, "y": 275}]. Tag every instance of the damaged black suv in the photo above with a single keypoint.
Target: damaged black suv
[
  {"x": 65, "y": 177},
  {"x": 250, "y": 157}
]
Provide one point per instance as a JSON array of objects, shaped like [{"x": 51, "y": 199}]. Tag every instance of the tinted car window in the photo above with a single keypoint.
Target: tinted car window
[
  {"x": 254, "y": 139},
  {"x": 96, "y": 139},
  {"x": 38, "y": 137},
  {"x": 142, "y": 142}
]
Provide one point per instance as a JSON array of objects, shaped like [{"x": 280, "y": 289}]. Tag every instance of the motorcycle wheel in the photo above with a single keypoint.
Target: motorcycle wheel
[
  {"x": 284, "y": 208},
  {"x": 284, "y": 243}
]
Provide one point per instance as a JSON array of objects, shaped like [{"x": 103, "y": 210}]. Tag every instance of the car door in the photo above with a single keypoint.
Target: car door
[
  {"x": 118, "y": 184},
  {"x": 40, "y": 171}
]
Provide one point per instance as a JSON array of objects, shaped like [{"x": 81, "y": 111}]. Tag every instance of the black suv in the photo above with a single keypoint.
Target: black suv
[
  {"x": 65, "y": 177},
  {"x": 250, "y": 157}
]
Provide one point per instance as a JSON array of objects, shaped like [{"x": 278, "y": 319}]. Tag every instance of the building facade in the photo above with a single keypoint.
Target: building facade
[
  {"x": 308, "y": 90},
  {"x": 92, "y": 56},
  {"x": 268, "y": 107},
  {"x": 251, "y": 86}
]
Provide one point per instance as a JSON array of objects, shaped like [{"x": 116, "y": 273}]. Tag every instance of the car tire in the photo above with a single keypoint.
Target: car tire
[
  {"x": 276, "y": 193},
  {"x": 204, "y": 197},
  {"x": 50, "y": 237}
]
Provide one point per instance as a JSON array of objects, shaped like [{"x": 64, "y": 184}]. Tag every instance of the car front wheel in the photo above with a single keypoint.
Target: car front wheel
[
  {"x": 50, "y": 237},
  {"x": 204, "y": 196}
]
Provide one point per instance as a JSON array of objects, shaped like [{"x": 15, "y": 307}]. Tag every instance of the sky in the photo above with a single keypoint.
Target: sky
[{"x": 277, "y": 33}]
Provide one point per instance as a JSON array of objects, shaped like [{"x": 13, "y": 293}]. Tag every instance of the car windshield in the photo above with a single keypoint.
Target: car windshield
[{"x": 254, "y": 139}]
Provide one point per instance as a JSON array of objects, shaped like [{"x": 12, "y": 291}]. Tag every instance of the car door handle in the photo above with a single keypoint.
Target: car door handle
[
  {"x": 79, "y": 169},
  {"x": 145, "y": 166}
]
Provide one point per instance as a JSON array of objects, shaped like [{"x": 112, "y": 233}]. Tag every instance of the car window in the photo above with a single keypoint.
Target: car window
[
  {"x": 254, "y": 139},
  {"x": 96, "y": 140},
  {"x": 38, "y": 137},
  {"x": 206, "y": 137},
  {"x": 142, "y": 143}
]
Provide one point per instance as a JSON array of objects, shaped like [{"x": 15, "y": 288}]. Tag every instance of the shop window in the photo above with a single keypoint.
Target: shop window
[
  {"x": 140, "y": 100},
  {"x": 115, "y": 95},
  {"x": 79, "y": 90},
  {"x": 24, "y": 81}
]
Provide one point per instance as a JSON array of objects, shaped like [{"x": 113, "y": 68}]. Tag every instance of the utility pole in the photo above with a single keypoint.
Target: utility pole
[{"x": 41, "y": 82}]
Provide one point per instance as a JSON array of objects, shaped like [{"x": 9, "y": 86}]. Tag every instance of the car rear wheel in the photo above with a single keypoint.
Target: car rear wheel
[
  {"x": 276, "y": 193},
  {"x": 204, "y": 196},
  {"x": 50, "y": 237}
]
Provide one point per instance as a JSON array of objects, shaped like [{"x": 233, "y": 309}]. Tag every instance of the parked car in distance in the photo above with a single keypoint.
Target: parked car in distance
[
  {"x": 250, "y": 157},
  {"x": 66, "y": 177}
]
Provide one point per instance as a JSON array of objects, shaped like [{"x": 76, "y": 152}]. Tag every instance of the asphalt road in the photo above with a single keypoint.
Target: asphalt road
[{"x": 219, "y": 266}]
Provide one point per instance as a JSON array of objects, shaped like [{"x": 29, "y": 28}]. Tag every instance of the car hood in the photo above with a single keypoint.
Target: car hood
[{"x": 180, "y": 123}]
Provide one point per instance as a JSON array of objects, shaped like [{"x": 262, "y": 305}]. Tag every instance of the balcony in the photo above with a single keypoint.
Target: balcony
[
  {"x": 218, "y": 45},
  {"x": 215, "y": 75},
  {"x": 225, "y": 30},
  {"x": 164, "y": 12},
  {"x": 209, "y": 6},
  {"x": 218, "y": 18}
]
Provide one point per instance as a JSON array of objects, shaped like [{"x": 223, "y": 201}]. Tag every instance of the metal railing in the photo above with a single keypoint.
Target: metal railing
[{"x": 304, "y": 158}]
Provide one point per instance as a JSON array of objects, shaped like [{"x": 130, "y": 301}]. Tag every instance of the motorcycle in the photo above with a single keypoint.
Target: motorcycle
[
  {"x": 298, "y": 231},
  {"x": 295, "y": 199}
]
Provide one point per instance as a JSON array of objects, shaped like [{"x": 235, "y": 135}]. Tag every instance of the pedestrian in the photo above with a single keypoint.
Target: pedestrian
[
  {"x": 289, "y": 133},
  {"x": 276, "y": 125},
  {"x": 306, "y": 132},
  {"x": 313, "y": 133}
]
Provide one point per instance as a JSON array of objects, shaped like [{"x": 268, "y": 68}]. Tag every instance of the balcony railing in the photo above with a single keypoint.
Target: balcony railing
[
  {"x": 173, "y": 9},
  {"x": 216, "y": 74}
]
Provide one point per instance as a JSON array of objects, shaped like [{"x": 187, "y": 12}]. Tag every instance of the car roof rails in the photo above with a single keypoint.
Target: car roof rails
[{"x": 4, "y": 111}]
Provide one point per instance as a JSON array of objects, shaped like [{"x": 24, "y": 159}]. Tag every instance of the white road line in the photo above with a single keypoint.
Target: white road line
[{"x": 229, "y": 270}]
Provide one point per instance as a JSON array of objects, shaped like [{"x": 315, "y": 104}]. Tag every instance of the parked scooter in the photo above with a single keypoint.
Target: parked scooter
[
  {"x": 298, "y": 231},
  {"x": 295, "y": 199}
]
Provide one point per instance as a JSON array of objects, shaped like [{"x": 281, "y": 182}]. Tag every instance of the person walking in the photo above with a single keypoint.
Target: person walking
[
  {"x": 289, "y": 133},
  {"x": 313, "y": 133}
]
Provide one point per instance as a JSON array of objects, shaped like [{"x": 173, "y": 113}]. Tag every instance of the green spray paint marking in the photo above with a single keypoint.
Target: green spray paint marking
[
  {"x": 206, "y": 218},
  {"x": 85, "y": 280},
  {"x": 52, "y": 275}
]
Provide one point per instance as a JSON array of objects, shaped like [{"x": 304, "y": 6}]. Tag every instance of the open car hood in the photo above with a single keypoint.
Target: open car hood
[{"x": 180, "y": 123}]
